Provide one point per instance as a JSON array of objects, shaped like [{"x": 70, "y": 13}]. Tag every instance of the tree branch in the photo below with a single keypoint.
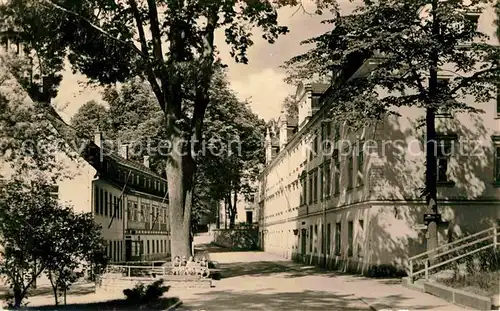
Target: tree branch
[
  {"x": 465, "y": 81},
  {"x": 104, "y": 32},
  {"x": 144, "y": 47}
]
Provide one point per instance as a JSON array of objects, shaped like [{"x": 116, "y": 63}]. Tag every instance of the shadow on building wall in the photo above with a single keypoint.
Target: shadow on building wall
[{"x": 386, "y": 213}]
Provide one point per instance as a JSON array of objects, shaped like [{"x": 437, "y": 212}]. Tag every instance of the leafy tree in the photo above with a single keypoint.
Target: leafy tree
[
  {"x": 90, "y": 116},
  {"x": 77, "y": 241},
  {"x": 107, "y": 41},
  {"x": 39, "y": 235},
  {"x": 411, "y": 50},
  {"x": 291, "y": 105},
  {"x": 234, "y": 155}
]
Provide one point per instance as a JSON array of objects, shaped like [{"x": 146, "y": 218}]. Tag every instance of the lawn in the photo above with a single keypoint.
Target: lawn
[{"x": 480, "y": 283}]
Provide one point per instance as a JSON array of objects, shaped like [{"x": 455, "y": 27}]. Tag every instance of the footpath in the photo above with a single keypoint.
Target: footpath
[{"x": 263, "y": 281}]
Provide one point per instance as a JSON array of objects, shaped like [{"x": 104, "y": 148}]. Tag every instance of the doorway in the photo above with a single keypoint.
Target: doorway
[
  {"x": 303, "y": 243},
  {"x": 128, "y": 250},
  {"x": 249, "y": 217}
]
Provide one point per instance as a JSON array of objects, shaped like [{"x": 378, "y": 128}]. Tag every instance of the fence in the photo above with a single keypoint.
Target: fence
[{"x": 471, "y": 244}]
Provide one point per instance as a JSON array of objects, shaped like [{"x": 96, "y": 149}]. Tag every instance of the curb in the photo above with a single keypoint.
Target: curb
[{"x": 175, "y": 305}]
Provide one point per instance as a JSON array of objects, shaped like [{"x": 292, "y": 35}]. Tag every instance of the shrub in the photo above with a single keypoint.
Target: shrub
[
  {"x": 145, "y": 294},
  {"x": 385, "y": 271}
]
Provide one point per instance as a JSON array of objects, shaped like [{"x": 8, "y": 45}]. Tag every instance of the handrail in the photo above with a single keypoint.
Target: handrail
[
  {"x": 452, "y": 259},
  {"x": 452, "y": 243},
  {"x": 494, "y": 243},
  {"x": 463, "y": 246}
]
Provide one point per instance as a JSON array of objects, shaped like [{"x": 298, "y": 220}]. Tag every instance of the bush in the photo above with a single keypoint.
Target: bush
[
  {"x": 146, "y": 294},
  {"x": 385, "y": 271}
]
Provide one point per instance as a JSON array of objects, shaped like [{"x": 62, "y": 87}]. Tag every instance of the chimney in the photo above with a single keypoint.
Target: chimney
[
  {"x": 123, "y": 152},
  {"x": 268, "y": 146},
  {"x": 98, "y": 138},
  {"x": 146, "y": 161},
  {"x": 283, "y": 127}
]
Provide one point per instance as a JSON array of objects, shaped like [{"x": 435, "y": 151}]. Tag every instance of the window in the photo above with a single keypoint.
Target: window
[
  {"x": 315, "y": 238},
  {"x": 350, "y": 238},
  {"x": 153, "y": 246},
  {"x": 328, "y": 130},
  {"x": 361, "y": 163},
  {"x": 136, "y": 212},
  {"x": 101, "y": 201},
  {"x": 315, "y": 186},
  {"x": 349, "y": 171},
  {"x": 337, "y": 133},
  {"x": 115, "y": 207},
  {"x": 146, "y": 213},
  {"x": 315, "y": 144},
  {"x": 96, "y": 200},
  {"x": 321, "y": 184},
  {"x": 360, "y": 238},
  {"x": 323, "y": 132},
  {"x": 105, "y": 203},
  {"x": 328, "y": 238},
  {"x": 310, "y": 239},
  {"x": 148, "y": 250},
  {"x": 157, "y": 246},
  {"x": 498, "y": 101},
  {"x": 444, "y": 149},
  {"x": 328, "y": 176},
  {"x": 310, "y": 189},
  {"x": 119, "y": 208},
  {"x": 114, "y": 251},
  {"x": 323, "y": 240},
  {"x": 497, "y": 161},
  {"x": 338, "y": 238}
]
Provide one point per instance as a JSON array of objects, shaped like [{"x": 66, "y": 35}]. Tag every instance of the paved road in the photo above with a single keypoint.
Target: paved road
[{"x": 260, "y": 281}]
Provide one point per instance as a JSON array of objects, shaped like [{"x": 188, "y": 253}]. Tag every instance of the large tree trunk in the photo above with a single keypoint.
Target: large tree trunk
[
  {"x": 233, "y": 210},
  {"x": 18, "y": 296},
  {"x": 180, "y": 191}
]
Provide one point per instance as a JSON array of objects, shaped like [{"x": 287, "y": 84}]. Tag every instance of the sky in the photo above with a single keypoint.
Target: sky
[{"x": 260, "y": 81}]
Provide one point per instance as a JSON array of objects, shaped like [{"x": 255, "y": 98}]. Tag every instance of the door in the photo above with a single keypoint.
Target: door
[
  {"x": 249, "y": 217},
  {"x": 128, "y": 250},
  {"x": 303, "y": 242}
]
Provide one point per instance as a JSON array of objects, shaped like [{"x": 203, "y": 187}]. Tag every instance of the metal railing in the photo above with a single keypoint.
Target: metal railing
[
  {"x": 488, "y": 237},
  {"x": 137, "y": 271}
]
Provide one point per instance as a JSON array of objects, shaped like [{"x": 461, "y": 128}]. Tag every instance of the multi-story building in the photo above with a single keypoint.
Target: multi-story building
[
  {"x": 353, "y": 207},
  {"x": 130, "y": 202},
  {"x": 127, "y": 198}
]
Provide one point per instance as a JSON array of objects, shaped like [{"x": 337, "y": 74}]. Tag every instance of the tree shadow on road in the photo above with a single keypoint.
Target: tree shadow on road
[
  {"x": 257, "y": 300},
  {"x": 267, "y": 268},
  {"x": 267, "y": 299}
]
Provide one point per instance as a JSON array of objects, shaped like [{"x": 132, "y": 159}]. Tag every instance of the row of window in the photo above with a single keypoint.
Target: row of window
[
  {"x": 133, "y": 178},
  {"x": 329, "y": 182},
  {"x": 337, "y": 235},
  {"x": 152, "y": 247},
  {"x": 161, "y": 247},
  {"x": 107, "y": 204},
  {"x": 328, "y": 176},
  {"x": 145, "y": 213},
  {"x": 115, "y": 250},
  {"x": 321, "y": 243}
]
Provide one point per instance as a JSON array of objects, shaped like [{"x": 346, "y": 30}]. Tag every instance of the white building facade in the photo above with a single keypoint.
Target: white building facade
[{"x": 355, "y": 208}]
